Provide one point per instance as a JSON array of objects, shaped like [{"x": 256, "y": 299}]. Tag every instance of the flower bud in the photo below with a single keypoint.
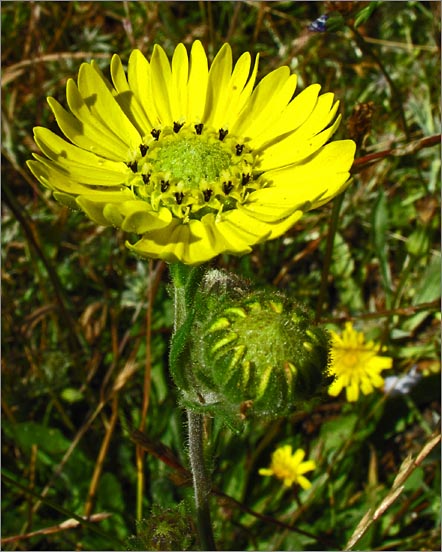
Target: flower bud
[{"x": 254, "y": 353}]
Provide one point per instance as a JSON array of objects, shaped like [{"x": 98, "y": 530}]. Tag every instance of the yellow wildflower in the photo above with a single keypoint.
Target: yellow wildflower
[
  {"x": 289, "y": 467},
  {"x": 356, "y": 364},
  {"x": 197, "y": 162}
]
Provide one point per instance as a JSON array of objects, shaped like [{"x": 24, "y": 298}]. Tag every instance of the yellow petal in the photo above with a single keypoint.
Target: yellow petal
[
  {"x": 136, "y": 216},
  {"x": 232, "y": 97},
  {"x": 94, "y": 90},
  {"x": 192, "y": 243},
  {"x": 307, "y": 466},
  {"x": 267, "y": 101},
  {"x": 85, "y": 134},
  {"x": 161, "y": 84},
  {"x": 291, "y": 118},
  {"x": 127, "y": 99},
  {"x": 139, "y": 76},
  {"x": 304, "y": 482},
  {"x": 118, "y": 75},
  {"x": 94, "y": 203},
  {"x": 94, "y": 126},
  {"x": 314, "y": 182},
  {"x": 180, "y": 75},
  {"x": 322, "y": 115},
  {"x": 295, "y": 148},
  {"x": 197, "y": 86},
  {"x": 245, "y": 94},
  {"x": 67, "y": 200},
  {"x": 80, "y": 165},
  {"x": 298, "y": 456},
  {"x": 270, "y": 205},
  {"x": 219, "y": 75},
  {"x": 335, "y": 387},
  {"x": 53, "y": 179},
  {"x": 237, "y": 227},
  {"x": 281, "y": 227},
  {"x": 59, "y": 176}
]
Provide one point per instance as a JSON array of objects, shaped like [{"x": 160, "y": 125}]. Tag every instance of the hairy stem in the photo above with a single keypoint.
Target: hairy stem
[
  {"x": 185, "y": 281},
  {"x": 201, "y": 480}
]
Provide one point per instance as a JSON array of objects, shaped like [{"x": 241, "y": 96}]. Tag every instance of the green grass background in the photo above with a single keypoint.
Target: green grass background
[{"x": 85, "y": 324}]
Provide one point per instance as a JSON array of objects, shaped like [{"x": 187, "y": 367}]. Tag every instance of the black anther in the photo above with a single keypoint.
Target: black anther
[
  {"x": 143, "y": 149},
  {"x": 245, "y": 179},
  {"x": 227, "y": 187},
  {"x": 199, "y": 128},
  {"x": 222, "y": 133}
]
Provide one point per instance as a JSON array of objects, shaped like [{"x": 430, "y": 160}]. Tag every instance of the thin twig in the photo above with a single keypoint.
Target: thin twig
[
  {"x": 408, "y": 149},
  {"x": 17, "y": 69},
  {"x": 101, "y": 457},
  {"x": 64, "y": 526},
  {"x": 400, "y": 311},
  {"x": 407, "y": 468}
]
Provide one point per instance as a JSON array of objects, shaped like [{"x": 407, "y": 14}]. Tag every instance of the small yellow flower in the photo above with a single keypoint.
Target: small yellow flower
[
  {"x": 356, "y": 364},
  {"x": 289, "y": 467},
  {"x": 196, "y": 161}
]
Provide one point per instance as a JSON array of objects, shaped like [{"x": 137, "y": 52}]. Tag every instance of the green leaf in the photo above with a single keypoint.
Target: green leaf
[
  {"x": 427, "y": 291},
  {"x": 380, "y": 226},
  {"x": 365, "y": 14},
  {"x": 429, "y": 287},
  {"x": 336, "y": 432},
  {"x": 27, "y": 434}
]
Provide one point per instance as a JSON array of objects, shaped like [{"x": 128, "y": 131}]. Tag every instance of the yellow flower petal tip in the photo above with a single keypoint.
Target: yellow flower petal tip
[
  {"x": 289, "y": 468},
  {"x": 196, "y": 160},
  {"x": 356, "y": 364}
]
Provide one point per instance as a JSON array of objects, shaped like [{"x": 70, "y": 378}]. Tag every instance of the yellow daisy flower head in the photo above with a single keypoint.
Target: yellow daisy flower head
[
  {"x": 289, "y": 467},
  {"x": 356, "y": 364},
  {"x": 195, "y": 160}
]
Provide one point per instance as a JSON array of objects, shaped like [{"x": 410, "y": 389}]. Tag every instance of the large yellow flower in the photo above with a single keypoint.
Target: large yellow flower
[
  {"x": 197, "y": 162},
  {"x": 356, "y": 364}
]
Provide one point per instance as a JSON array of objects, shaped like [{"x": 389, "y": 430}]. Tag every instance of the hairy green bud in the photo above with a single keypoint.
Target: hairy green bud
[
  {"x": 165, "y": 529},
  {"x": 253, "y": 353}
]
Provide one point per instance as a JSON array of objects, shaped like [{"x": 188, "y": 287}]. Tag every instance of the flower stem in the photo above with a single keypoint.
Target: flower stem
[
  {"x": 201, "y": 481},
  {"x": 185, "y": 281}
]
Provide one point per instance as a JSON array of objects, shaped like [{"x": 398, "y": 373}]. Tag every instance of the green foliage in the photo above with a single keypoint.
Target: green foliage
[{"x": 86, "y": 326}]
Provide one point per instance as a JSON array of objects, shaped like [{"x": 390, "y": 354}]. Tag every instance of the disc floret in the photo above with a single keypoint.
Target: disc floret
[{"x": 193, "y": 171}]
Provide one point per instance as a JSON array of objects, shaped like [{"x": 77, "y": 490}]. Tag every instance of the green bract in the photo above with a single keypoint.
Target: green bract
[{"x": 252, "y": 353}]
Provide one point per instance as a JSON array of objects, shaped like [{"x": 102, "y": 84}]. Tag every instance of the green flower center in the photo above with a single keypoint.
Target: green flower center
[
  {"x": 192, "y": 160},
  {"x": 193, "y": 171}
]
